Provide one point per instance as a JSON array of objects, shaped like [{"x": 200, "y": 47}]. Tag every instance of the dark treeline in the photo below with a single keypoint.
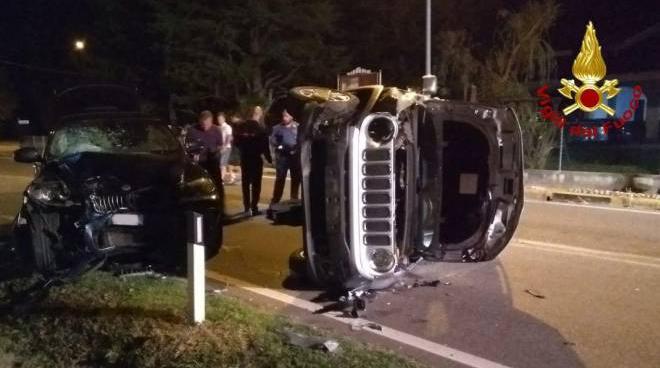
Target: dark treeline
[{"x": 238, "y": 51}]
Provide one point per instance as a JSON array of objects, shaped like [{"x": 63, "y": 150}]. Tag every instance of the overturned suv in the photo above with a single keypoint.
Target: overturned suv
[
  {"x": 112, "y": 184},
  {"x": 392, "y": 177}
]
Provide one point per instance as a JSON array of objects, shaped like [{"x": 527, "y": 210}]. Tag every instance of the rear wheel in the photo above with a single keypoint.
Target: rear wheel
[{"x": 44, "y": 236}]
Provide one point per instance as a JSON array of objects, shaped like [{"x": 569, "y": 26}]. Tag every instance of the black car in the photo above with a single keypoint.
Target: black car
[
  {"x": 392, "y": 176},
  {"x": 113, "y": 183}
]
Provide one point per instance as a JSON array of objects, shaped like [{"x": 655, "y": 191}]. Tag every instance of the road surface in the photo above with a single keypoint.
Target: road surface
[{"x": 578, "y": 287}]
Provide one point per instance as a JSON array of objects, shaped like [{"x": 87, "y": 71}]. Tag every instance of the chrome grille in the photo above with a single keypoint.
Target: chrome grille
[
  {"x": 109, "y": 203},
  {"x": 372, "y": 197}
]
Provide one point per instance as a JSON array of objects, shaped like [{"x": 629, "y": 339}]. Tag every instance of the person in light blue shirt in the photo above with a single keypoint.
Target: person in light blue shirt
[{"x": 284, "y": 139}]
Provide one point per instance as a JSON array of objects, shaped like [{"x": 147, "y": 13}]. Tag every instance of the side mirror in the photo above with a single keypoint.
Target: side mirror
[{"x": 27, "y": 155}]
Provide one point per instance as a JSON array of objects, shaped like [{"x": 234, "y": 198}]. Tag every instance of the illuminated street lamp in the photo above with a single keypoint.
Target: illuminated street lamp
[{"x": 79, "y": 45}]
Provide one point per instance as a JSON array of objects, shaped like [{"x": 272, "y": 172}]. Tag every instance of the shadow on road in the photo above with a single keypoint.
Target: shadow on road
[{"x": 474, "y": 313}]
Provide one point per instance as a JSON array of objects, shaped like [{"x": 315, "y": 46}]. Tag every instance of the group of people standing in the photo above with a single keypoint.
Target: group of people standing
[{"x": 254, "y": 145}]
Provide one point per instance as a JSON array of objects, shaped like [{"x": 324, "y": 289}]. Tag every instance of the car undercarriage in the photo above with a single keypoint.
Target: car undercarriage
[{"x": 391, "y": 177}]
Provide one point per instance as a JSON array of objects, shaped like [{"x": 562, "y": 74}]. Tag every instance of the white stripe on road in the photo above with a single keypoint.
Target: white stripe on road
[
  {"x": 645, "y": 212},
  {"x": 273, "y": 178},
  {"x": 389, "y": 333},
  {"x": 627, "y": 258}
]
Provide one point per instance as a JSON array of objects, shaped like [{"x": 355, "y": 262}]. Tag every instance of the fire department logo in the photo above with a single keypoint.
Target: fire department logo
[{"x": 589, "y": 68}]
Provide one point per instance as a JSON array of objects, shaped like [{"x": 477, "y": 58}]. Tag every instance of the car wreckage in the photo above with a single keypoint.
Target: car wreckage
[
  {"x": 112, "y": 183},
  {"x": 391, "y": 177}
]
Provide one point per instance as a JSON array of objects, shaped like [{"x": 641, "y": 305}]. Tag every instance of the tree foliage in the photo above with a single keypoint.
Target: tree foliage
[
  {"x": 7, "y": 100},
  {"x": 244, "y": 49},
  {"x": 519, "y": 56}
]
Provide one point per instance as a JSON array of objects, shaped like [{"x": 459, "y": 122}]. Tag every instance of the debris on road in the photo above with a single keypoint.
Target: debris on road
[
  {"x": 125, "y": 272},
  {"x": 215, "y": 291},
  {"x": 311, "y": 342},
  {"x": 354, "y": 301},
  {"x": 362, "y": 326},
  {"x": 217, "y": 288},
  {"x": 434, "y": 283},
  {"x": 535, "y": 293}
]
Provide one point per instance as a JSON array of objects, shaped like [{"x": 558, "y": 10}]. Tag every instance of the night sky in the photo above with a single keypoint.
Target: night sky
[{"x": 615, "y": 21}]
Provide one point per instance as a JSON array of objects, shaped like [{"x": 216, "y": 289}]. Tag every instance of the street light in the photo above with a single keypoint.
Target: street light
[
  {"x": 79, "y": 45},
  {"x": 429, "y": 81}
]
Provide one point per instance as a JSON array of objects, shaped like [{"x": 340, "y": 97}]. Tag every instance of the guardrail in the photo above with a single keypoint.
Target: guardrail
[{"x": 594, "y": 180}]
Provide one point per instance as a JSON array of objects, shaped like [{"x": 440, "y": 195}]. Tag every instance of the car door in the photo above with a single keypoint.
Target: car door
[{"x": 469, "y": 176}]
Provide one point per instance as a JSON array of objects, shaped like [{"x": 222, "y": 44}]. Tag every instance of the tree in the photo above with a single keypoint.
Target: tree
[
  {"x": 7, "y": 100},
  {"x": 245, "y": 49},
  {"x": 523, "y": 55},
  {"x": 519, "y": 56}
]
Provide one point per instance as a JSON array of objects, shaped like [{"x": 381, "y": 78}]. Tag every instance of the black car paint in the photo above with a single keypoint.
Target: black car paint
[{"x": 158, "y": 187}]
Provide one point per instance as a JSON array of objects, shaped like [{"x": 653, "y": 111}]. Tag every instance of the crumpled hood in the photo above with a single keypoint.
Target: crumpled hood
[{"x": 137, "y": 170}]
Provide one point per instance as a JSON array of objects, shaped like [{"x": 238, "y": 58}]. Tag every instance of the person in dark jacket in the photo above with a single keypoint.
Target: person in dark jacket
[
  {"x": 211, "y": 140},
  {"x": 284, "y": 140},
  {"x": 252, "y": 141}
]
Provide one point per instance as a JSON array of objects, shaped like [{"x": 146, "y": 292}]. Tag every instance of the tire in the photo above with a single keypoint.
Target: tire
[
  {"x": 44, "y": 237},
  {"x": 298, "y": 264}
]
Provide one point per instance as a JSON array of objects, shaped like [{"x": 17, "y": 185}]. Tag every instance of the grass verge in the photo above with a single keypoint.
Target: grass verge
[{"x": 103, "y": 321}]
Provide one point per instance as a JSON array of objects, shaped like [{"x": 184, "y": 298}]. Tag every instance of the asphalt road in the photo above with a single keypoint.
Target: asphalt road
[{"x": 595, "y": 273}]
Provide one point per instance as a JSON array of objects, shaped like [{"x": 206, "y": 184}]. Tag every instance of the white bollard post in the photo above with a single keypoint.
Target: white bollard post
[{"x": 196, "y": 268}]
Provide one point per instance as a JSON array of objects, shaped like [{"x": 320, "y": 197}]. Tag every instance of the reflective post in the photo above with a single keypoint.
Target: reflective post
[{"x": 196, "y": 268}]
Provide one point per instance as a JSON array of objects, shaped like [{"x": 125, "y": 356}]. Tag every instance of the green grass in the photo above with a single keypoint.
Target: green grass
[{"x": 103, "y": 321}]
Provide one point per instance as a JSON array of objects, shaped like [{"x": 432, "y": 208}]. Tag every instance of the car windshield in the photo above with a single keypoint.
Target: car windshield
[{"x": 114, "y": 136}]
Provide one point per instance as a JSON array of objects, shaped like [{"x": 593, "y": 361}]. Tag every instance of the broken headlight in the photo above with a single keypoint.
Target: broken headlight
[{"x": 50, "y": 193}]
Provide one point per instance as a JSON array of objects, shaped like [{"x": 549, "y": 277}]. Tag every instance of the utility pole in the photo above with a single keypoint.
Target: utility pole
[
  {"x": 428, "y": 37},
  {"x": 429, "y": 81},
  {"x": 561, "y": 146}
]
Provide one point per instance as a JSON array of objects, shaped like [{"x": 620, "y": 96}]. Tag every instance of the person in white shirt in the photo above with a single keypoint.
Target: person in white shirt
[{"x": 227, "y": 139}]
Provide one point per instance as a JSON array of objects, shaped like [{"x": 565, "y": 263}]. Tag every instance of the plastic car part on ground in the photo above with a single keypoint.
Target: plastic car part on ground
[
  {"x": 311, "y": 342},
  {"x": 354, "y": 302}
]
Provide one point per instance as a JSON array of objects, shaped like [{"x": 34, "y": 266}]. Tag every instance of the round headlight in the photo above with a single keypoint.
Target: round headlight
[
  {"x": 382, "y": 260},
  {"x": 381, "y": 130}
]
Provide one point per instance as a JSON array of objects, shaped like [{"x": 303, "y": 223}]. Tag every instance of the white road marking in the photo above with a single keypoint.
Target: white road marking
[
  {"x": 627, "y": 258},
  {"x": 644, "y": 212},
  {"x": 269, "y": 177},
  {"x": 387, "y": 332}
]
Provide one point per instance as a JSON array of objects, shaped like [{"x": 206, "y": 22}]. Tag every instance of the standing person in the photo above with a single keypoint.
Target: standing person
[
  {"x": 252, "y": 142},
  {"x": 211, "y": 139},
  {"x": 285, "y": 141},
  {"x": 235, "y": 155},
  {"x": 225, "y": 129}
]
